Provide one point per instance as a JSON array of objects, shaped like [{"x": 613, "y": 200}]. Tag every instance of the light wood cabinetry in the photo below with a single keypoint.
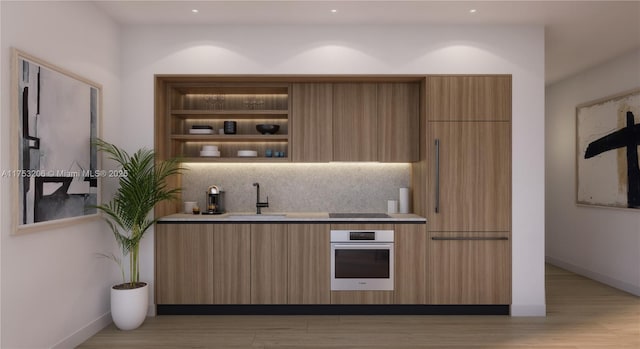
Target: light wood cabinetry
[
  {"x": 309, "y": 264},
  {"x": 410, "y": 264},
  {"x": 470, "y": 181},
  {"x": 398, "y": 121},
  {"x": 202, "y": 264},
  {"x": 231, "y": 263},
  {"x": 269, "y": 264},
  {"x": 312, "y": 121},
  {"x": 355, "y": 122},
  {"x": 184, "y": 264},
  {"x": 466, "y": 197},
  {"x": 183, "y": 102},
  {"x": 469, "y": 98},
  {"x": 469, "y": 268},
  {"x": 361, "y": 297}
]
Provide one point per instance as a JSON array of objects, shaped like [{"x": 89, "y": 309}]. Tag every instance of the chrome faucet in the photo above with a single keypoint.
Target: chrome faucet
[{"x": 259, "y": 204}]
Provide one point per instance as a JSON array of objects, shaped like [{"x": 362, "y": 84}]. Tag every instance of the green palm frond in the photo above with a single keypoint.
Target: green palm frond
[{"x": 142, "y": 186}]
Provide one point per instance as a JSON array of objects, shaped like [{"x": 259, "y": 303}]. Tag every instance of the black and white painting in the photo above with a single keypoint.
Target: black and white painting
[
  {"x": 608, "y": 140},
  {"x": 58, "y": 117}
]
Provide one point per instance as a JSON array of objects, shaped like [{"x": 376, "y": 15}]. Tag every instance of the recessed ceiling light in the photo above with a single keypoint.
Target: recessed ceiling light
[
  {"x": 195, "y": 10},
  {"x": 473, "y": 10},
  {"x": 334, "y": 11}
]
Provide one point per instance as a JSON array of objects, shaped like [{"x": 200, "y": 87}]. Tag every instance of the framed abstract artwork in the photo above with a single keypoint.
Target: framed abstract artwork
[
  {"x": 56, "y": 117},
  {"x": 608, "y": 140}
]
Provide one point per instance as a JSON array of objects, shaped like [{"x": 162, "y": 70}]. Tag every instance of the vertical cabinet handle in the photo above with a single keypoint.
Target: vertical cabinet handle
[{"x": 437, "y": 175}]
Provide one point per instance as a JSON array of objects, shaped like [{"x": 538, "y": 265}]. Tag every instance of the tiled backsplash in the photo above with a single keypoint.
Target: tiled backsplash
[{"x": 325, "y": 187}]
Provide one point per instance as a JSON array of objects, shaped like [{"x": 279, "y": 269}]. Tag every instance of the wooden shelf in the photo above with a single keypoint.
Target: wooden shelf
[
  {"x": 182, "y": 103},
  {"x": 236, "y": 114},
  {"x": 235, "y": 159},
  {"x": 229, "y": 138}
]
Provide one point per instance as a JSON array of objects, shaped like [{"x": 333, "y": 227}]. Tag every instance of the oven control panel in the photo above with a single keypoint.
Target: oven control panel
[{"x": 362, "y": 235}]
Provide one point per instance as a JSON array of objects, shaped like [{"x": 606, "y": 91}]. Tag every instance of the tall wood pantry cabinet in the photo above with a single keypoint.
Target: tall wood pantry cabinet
[{"x": 467, "y": 197}]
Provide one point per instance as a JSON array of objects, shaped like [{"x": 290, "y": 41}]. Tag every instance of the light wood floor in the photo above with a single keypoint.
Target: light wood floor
[{"x": 581, "y": 314}]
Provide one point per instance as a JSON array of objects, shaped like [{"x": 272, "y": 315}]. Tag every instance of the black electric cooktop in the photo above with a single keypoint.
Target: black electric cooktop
[{"x": 358, "y": 215}]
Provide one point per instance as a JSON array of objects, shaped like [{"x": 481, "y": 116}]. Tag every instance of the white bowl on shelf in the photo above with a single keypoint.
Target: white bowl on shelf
[
  {"x": 214, "y": 153},
  {"x": 209, "y": 148},
  {"x": 200, "y": 131},
  {"x": 247, "y": 153}
]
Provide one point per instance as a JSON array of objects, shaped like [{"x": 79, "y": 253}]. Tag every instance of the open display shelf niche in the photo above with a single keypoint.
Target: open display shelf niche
[{"x": 212, "y": 104}]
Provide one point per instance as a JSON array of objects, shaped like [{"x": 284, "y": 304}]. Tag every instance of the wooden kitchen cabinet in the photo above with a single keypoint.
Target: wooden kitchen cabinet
[
  {"x": 469, "y": 268},
  {"x": 202, "y": 264},
  {"x": 464, "y": 188},
  {"x": 269, "y": 263},
  {"x": 398, "y": 122},
  {"x": 410, "y": 264},
  {"x": 309, "y": 264},
  {"x": 312, "y": 121},
  {"x": 231, "y": 263},
  {"x": 470, "y": 179},
  {"x": 185, "y": 101},
  {"x": 355, "y": 122},
  {"x": 184, "y": 264},
  {"x": 468, "y": 98}
]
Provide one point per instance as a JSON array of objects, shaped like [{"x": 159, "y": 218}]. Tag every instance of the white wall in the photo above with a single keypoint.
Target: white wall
[
  {"x": 55, "y": 292},
  {"x": 362, "y": 49},
  {"x": 600, "y": 243}
]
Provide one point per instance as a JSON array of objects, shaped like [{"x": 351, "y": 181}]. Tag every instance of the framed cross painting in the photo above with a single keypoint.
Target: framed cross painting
[
  {"x": 608, "y": 140},
  {"x": 56, "y": 117}
]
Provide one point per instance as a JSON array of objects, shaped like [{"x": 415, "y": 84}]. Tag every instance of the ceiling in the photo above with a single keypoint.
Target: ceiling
[{"x": 578, "y": 34}]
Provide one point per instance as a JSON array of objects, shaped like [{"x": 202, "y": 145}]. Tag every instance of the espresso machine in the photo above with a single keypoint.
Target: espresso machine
[{"x": 215, "y": 201}]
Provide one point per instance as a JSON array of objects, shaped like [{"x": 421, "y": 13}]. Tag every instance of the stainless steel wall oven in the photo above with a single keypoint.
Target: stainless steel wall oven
[{"x": 362, "y": 260}]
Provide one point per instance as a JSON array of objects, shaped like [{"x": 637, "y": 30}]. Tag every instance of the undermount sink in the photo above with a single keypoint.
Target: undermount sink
[{"x": 257, "y": 217}]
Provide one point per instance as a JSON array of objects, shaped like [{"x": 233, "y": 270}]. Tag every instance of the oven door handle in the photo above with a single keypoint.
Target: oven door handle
[{"x": 371, "y": 246}]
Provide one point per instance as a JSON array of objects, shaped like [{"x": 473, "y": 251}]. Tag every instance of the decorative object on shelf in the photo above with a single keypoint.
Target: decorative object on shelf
[
  {"x": 268, "y": 153},
  {"x": 247, "y": 153},
  {"x": 267, "y": 129},
  {"x": 127, "y": 214},
  {"x": 201, "y": 129},
  {"x": 55, "y": 118},
  {"x": 230, "y": 127},
  {"x": 606, "y": 177},
  {"x": 215, "y": 101},
  {"x": 210, "y": 150},
  {"x": 253, "y": 102}
]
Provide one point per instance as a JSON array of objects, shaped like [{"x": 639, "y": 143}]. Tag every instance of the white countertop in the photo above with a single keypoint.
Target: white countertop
[{"x": 285, "y": 217}]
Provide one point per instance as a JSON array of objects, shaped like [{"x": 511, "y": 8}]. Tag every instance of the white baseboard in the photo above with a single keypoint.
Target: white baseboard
[
  {"x": 621, "y": 285},
  {"x": 518, "y": 310},
  {"x": 81, "y": 335}
]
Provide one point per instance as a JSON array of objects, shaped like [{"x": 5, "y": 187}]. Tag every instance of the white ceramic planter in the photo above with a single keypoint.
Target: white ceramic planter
[{"x": 129, "y": 307}]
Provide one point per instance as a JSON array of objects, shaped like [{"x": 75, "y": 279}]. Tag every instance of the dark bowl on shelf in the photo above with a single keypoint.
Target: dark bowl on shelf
[{"x": 267, "y": 129}]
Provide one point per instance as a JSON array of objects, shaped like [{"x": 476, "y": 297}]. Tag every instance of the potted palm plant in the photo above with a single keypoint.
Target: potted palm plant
[{"x": 142, "y": 184}]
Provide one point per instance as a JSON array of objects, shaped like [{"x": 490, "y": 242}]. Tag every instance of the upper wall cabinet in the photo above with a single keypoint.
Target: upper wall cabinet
[
  {"x": 193, "y": 114},
  {"x": 321, "y": 119},
  {"x": 312, "y": 122},
  {"x": 469, "y": 98},
  {"x": 398, "y": 121},
  {"x": 355, "y": 122}
]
